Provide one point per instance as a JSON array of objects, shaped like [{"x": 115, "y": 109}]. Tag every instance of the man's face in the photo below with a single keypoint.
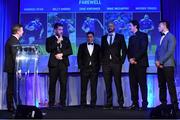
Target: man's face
[
  {"x": 132, "y": 27},
  {"x": 111, "y": 27},
  {"x": 90, "y": 38},
  {"x": 161, "y": 27},
  {"x": 20, "y": 32},
  {"x": 59, "y": 31}
]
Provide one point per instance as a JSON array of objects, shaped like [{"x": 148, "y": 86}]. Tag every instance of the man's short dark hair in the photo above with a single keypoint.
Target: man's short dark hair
[
  {"x": 16, "y": 28},
  {"x": 56, "y": 25},
  {"x": 165, "y": 22},
  {"x": 135, "y": 23},
  {"x": 111, "y": 22},
  {"x": 92, "y": 33}
]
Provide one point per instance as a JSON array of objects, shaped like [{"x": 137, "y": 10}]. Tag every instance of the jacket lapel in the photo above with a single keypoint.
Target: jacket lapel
[
  {"x": 114, "y": 39},
  {"x": 106, "y": 40},
  {"x": 86, "y": 49},
  {"x": 164, "y": 39},
  {"x": 94, "y": 49}
]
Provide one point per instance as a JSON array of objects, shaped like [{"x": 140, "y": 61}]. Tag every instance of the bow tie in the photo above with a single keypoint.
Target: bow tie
[
  {"x": 162, "y": 34},
  {"x": 90, "y": 43}
]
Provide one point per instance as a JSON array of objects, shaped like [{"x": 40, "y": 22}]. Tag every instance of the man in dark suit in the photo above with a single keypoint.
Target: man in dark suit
[
  {"x": 89, "y": 64},
  {"x": 165, "y": 64},
  {"x": 9, "y": 65},
  {"x": 138, "y": 58},
  {"x": 59, "y": 48},
  {"x": 113, "y": 54}
]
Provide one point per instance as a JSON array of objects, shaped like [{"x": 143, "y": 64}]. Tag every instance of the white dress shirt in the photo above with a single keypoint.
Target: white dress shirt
[
  {"x": 90, "y": 50},
  {"x": 162, "y": 37},
  {"x": 59, "y": 38},
  {"x": 113, "y": 36},
  {"x": 108, "y": 40}
]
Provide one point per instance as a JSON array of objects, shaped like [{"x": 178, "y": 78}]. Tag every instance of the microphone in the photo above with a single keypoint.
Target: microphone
[{"x": 59, "y": 44}]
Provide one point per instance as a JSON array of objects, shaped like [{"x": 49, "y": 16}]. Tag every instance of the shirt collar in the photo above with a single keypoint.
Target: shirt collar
[
  {"x": 136, "y": 32},
  {"x": 90, "y": 43},
  {"x": 165, "y": 32},
  {"x": 57, "y": 37},
  {"x": 113, "y": 33},
  {"x": 15, "y": 36}
]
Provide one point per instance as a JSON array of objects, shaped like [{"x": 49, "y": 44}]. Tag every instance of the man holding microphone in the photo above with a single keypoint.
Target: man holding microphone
[{"x": 59, "y": 48}]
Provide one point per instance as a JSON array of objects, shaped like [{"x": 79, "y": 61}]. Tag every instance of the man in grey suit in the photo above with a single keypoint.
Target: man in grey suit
[{"x": 165, "y": 64}]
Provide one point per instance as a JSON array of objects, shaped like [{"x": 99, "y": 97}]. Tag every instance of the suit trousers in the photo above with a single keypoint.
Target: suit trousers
[
  {"x": 89, "y": 74},
  {"x": 111, "y": 71},
  {"x": 166, "y": 79},
  {"x": 58, "y": 73},
  {"x": 137, "y": 77}
]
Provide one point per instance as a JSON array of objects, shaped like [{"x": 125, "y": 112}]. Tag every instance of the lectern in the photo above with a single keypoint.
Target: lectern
[{"x": 26, "y": 60}]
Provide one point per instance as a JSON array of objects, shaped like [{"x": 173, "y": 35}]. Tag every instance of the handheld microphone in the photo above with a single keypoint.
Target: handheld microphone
[{"x": 59, "y": 44}]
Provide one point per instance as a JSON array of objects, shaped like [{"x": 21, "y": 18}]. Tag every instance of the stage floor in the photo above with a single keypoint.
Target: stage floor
[{"x": 77, "y": 112}]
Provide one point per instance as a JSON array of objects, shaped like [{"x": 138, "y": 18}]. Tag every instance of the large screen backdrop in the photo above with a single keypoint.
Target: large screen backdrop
[{"x": 81, "y": 16}]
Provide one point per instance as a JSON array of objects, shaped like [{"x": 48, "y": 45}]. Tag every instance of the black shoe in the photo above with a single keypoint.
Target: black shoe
[
  {"x": 11, "y": 109},
  {"x": 83, "y": 105},
  {"x": 50, "y": 105},
  {"x": 143, "y": 108},
  {"x": 93, "y": 105},
  {"x": 134, "y": 107},
  {"x": 108, "y": 107},
  {"x": 176, "y": 108},
  {"x": 120, "y": 107},
  {"x": 61, "y": 105}
]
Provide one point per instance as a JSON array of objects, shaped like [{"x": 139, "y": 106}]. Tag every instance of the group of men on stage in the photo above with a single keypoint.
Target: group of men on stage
[{"x": 110, "y": 56}]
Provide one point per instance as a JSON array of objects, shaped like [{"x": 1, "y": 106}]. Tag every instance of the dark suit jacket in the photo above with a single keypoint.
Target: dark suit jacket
[
  {"x": 137, "y": 48},
  {"x": 51, "y": 47},
  {"x": 10, "y": 54},
  {"x": 165, "y": 51},
  {"x": 117, "y": 50},
  {"x": 84, "y": 57}
]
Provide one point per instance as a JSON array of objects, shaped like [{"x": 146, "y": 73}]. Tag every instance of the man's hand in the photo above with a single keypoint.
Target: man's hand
[
  {"x": 132, "y": 61},
  {"x": 59, "y": 56},
  {"x": 161, "y": 66},
  {"x": 158, "y": 64}
]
